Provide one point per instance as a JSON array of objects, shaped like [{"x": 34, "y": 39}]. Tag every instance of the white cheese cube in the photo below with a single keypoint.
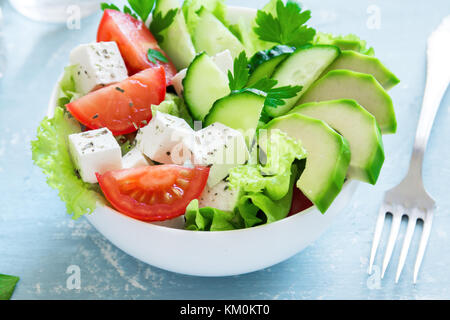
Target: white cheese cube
[
  {"x": 177, "y": 82},
  {"x": 134, "y": 159},
  {"x": 223, "y": 60},
  {"x": 95, "y": 151},
  {"x": 221, "y": 197},
  {"x": 220, "y": 147},
  {"x": 99, "y": 64},
  {"x": 162, "y": 139}
]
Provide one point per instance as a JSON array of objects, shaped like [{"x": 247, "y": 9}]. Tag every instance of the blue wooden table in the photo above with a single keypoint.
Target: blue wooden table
[{"x": 40, "y": 243}]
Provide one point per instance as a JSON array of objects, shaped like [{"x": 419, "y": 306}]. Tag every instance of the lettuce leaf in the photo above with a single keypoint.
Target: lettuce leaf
[
  {"x": 7, "y": 286},
  {"x": 267, "y": 189},
  {"x": 252, "y": 209},
  {"x": 190, "y": 7},
  {"x": 211, "y": 219},
  {"x": 67, "y": 87},
  {"x": 174, "y": 106},
  {"x": 51, "y": 153},
  {"x": 273, "y": 177},
  {"x": 257, "y": 208},
  {"x": 347, "y": 42}
]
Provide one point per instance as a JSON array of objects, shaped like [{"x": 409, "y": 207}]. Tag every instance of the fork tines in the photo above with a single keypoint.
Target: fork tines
[{"x": 397, "y": 213}]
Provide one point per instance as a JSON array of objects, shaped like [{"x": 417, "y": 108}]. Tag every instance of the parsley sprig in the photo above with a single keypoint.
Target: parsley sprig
[
  {"x": 275, "y": 96},
  {"x": 160, "y": 23},
  {"x": 154, "y": 55},
  {"x": 287, "y": 27}
]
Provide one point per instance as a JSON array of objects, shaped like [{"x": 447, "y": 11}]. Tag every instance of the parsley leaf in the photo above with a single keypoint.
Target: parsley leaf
[
  {"x": 241, "y": 72},
  {"x": 154, "y": 55},
  {"x": 160, "y": 23},
  {"x": 143, "y": 8},
  {"x": 7, "y": 286},
  {"x": 127, "y": 10},
  {"x": 105, "y": 6},
  {"x": 276, "y": 95},
  {"x": 287, "y": 27}
]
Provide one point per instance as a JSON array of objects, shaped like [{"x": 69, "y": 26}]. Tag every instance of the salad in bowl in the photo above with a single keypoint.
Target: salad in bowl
[{"x": 230, "y": 130}]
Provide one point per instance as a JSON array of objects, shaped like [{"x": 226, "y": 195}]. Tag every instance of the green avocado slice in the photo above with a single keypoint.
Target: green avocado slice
[
  {"x": 354, "y": 61},
  {"x": 346, "y": 84},
  {"x": 361, "y": 130},
  {"x": 328, "y": 157}
]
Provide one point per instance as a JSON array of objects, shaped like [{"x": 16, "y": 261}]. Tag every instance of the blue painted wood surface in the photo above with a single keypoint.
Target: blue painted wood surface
[{"x": 39, "y": 241}]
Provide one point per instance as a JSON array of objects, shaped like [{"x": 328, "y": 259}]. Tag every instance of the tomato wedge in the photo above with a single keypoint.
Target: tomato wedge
[
  {"x": 299, "y": 202},
  {"x": 122, "y": 107},
  {"x": 133, "y": 39},
  {"x": 153, "y": 193}
]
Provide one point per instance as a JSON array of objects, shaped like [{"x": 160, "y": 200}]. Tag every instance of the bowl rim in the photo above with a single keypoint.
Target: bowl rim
[{"x": 289, "y": 219}]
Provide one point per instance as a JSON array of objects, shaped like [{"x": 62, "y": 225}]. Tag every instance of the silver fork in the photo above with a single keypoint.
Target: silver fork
[{"x": 410, "y": 198}]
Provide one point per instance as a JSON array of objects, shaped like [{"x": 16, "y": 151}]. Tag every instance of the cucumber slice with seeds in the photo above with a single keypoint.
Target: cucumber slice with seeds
[
  {"x": 264, "y": 63},
  {"x": 302, "y": 68},
  {"x": 203, "y": 85}
]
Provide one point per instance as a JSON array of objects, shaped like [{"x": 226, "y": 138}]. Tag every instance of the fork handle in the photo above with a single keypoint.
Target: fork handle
[{"x": 436, "y": 85}]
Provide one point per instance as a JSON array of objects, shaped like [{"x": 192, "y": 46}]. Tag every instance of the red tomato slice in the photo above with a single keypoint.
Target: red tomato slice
[
  {"x": 133, "y": 39},
  {"x": 299, "y": 202},
  {"x": 153, "y": 193},
  {"x": 122, "y": 107}
]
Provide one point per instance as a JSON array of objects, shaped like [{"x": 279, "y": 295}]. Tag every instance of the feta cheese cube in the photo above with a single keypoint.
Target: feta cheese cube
[
  {"x": 220, "y": 147},
  {"x": 224, "y": 61},
  {"x": 99, "y": 64},
  {"x": 221, "y": 197},
  {"x": 162, "y": 140},
  {"x": 177, "y": 82},
  {"x": 134, "y": 159},
  {"x": 95, "y": 151}
]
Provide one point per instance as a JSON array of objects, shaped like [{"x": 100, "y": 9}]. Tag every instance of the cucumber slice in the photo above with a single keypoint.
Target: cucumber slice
[
  {"x": 240, "y": 111},
  {"x": 177, "y": 42},
  {"x": 358, "y": 62},
  {"x": 203, "y": 85},
  {"x": 302, "y": 68},
  {"x": 264, "y": 63},
  {"x": 346, "y": 84},
  {"x": 212, "y": 36},
  {"x": 361, "y": 130},
  {"x": 328, "y": 157}
]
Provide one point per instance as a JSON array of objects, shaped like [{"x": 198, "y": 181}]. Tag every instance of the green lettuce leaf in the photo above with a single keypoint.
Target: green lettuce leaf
[
  {"x": 67, "y": 87},
  {"x": 252, "y": 209},
  {"x": 272, "y": 177},
  {"x": 347, "y": 42},
  {"x": 210, "y": 219},
  {"x": 51, "y": 153},
  {"x": 257, "y": 208},
  {"x": 7, "y": 286},
  {"x": 190, "y": 7},
  {"x": 174, "y": 106}
]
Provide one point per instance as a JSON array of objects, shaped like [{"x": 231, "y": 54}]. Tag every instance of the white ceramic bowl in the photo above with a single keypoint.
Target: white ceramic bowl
[{"x": 221, "y": 253}]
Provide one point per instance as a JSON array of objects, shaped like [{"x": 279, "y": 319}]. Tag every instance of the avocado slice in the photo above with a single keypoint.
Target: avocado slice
[
  {"x": 346, "y": 84},
  {"x": 361, "y": 130},
  {"x": 177, "y": 42},
  {"x": 212, "y": 36},
  {"x": 328, "y": 157},
  {"x": 354, "y": 61}
]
